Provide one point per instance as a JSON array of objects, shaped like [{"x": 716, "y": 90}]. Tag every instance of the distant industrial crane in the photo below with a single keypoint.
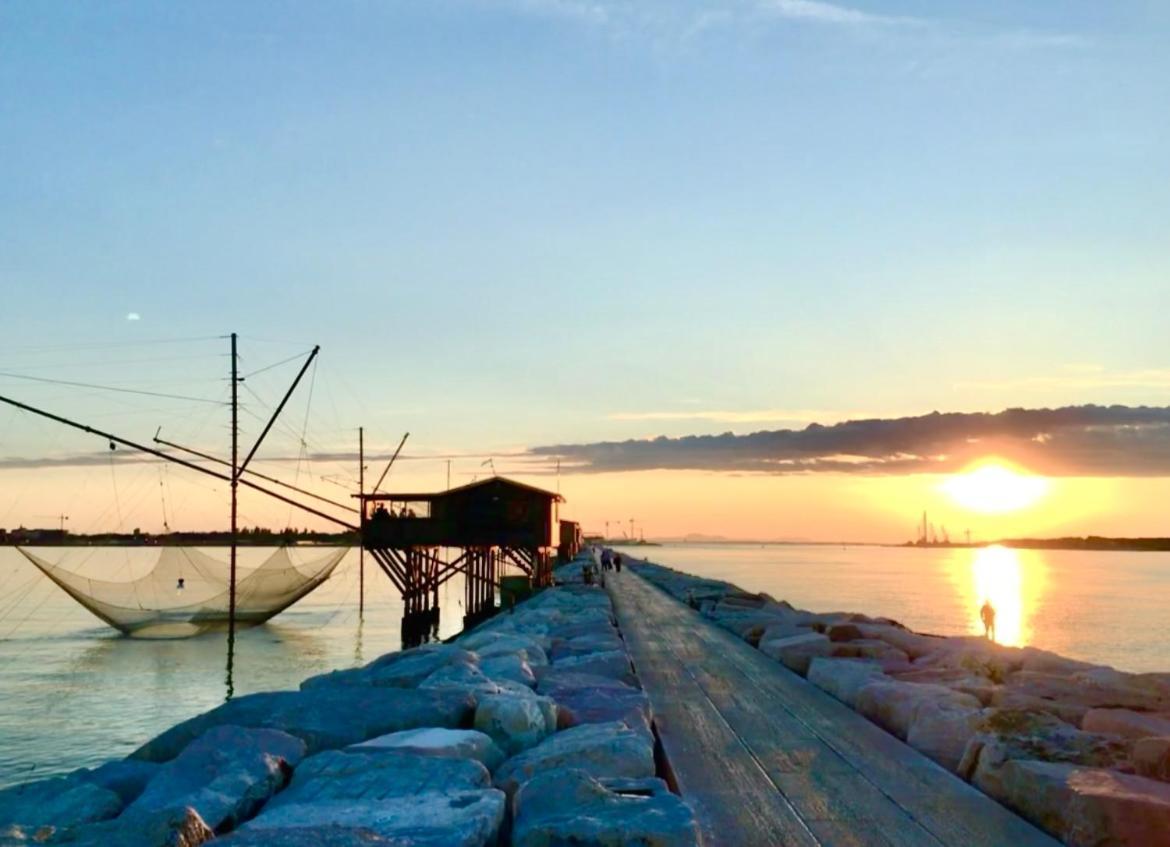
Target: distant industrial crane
[{"x": 61, "y": 518}]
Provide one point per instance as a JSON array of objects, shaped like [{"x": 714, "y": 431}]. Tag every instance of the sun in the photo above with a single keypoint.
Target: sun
[{"x": 993, "y": 488}]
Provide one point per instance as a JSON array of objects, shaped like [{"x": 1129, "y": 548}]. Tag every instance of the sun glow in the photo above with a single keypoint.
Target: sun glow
[{"x": 994, "y": 489}]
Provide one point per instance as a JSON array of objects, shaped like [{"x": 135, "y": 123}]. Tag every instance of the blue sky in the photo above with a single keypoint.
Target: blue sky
[{"x": 523, "y": 222}]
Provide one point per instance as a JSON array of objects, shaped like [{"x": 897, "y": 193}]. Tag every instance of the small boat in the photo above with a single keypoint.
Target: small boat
[{"x": 187, "y": 592}]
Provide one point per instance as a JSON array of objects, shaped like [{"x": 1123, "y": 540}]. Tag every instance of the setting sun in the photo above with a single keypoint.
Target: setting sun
[{"x": 994, "y": 488}]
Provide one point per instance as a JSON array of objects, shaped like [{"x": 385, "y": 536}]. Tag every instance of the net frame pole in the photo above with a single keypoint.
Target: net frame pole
[
  {"x": 234, "y": 488},
  {"x": 362, "y": 523}
]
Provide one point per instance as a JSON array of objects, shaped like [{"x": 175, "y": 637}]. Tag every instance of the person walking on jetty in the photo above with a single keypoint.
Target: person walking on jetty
[
  {"x": 987, "y": 615},
  {"x": 606, "y": 559},
  {"x": 617, "y": 562}
]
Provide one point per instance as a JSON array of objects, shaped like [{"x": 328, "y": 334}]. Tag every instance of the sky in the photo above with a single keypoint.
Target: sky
[{"x": 516, "y": 225}]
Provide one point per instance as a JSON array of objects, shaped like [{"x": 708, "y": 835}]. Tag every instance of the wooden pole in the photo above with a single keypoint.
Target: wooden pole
[
  {"x": 234, "y": 484},
  {"x": 362, "y": 522}
]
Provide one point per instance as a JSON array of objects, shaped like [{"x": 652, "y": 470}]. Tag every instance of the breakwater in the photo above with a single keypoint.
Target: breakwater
[
  {"x": 1081, "y": 750},
  {"x": 530, "y": 729}
]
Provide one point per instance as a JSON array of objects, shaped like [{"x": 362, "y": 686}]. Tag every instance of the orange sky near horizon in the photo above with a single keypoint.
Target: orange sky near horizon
[{"x": 664, "y": 503}]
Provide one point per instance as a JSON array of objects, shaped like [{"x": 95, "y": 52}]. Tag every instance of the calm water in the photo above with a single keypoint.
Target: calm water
[
  {"x": 74, "y": 692},
  {"x": 1110, "y": 608}
]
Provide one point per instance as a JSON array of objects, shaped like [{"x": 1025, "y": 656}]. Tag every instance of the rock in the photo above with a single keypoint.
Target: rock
[
  {"x": 614, "y": 664},
  {"x": 568, "y": 806},
  {"x": 514, "y": 723},
  {"x": 957, "y": 679},
  {"x": 842, "y": 678},
  {"x": 844, "y": 632},
  {"x": 352, "y": 776},
  {"x": 977, "y": 656},
  {"x": 225, "y": 775},
  {"x": 1126, "y": 723},
  {"x": 1096, "y": 689},
  {"x": 785, "y": 629},
  {"x": 125, "y": 777},
  {"x": 893, "y": 705},
  {"x": 912, "y": 644},
  {"x": 553, "y": 681},
  {"x": 576, "y": 706},
  {"x": 600, "y": 750},
  {"x": 431, "y": 819},
  {"x": 58, "y": 802},
  {"x": 170, "y": 828},
  {"x": 583, "y": 645},
  {"x": 1004, "y": 735},
  {"x": 1008, "y": 699},
  {"x": 490, "y": 643},
  {"x": 511, "y": 666},
  {"x": 1151, "y": 758},
  {"x": 1110, "y": 808},
  {"x": 434, "y": 741},
  {"x": 324, "y": 718},
  {"x": 797, "y": 651},
  {"x": 941, "y": 731},
  {"x": 405, "y": 669},
  {"x": 460, "y": 677},
  {"x": 871, "y": 648},
  {"x": 1038, "y": 791},
  {"x": 325, "y": 835}
]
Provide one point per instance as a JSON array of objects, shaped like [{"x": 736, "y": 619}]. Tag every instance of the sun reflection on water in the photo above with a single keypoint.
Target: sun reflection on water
[{"x": 1013, "y": 582}]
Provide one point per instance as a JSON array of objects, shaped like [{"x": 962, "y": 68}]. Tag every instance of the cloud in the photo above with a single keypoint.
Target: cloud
[
  {"x": 820, "y": 12},
  {"x": 1027, "y": 39},
  {"x": 133, "y": 316},
  {"x": 1069, "y": 441},
  {"x": 730, "y": 416},
  {"x": 1079, "y": 377}
]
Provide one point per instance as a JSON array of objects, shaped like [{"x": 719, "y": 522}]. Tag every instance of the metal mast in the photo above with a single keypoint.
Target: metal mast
[
  {"x": 234, "y": 484},
  {"x": 362, "y": 523}
]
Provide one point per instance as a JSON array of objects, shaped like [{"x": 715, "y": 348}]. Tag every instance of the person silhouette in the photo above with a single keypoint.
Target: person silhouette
[{"x": 987, "y": 615}]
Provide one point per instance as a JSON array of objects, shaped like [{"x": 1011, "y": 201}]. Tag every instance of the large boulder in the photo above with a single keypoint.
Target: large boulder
[
  {"x": 510, "y": 666},
  {"x": 893, "y": 705},
  {"x": 488, "y": 643},
  {"x": 59, "y": 802},
  {"x": 435, "y": 741},
  {"x": 125, "y": 777},
  {"x": 568, "y": 806},
  {"x": 455, "y": 818},
  {"x": 912, "y": 644},
  {"x": 979, "y": 687},
  {"x": 601, "y": 641},
  {"x": 1126, "y": 723},
  {"x": 602, "y": 704},
  {"x": 346, "y": 776},
  {"x": 797, "y": 652},
  {"x": 514, "y": 723},
  {"x": 1151, "y": 758},
  {"x": 1117, "y": 809},
  {"x": 324, "y": 718},
  {"x": 460, "y": 676},
  {"x": 874, "y": 649},
  {"x": 405, "y": 669},
  {"x": 224, "y": 775},
  {"x": 169, "y": 828},
  {"x": 614, "y": 664},
  {"x": 942, "y": 730},
  {"x": 1083, "y": 691},
  {"x": 600, "y": 750},
  {"x": 842, "y": 678},
  {"x": 1006, "y": 735}
]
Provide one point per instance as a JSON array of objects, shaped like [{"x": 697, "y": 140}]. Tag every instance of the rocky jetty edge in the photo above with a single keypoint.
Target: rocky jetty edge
[
  {"x": 1080, "y": 750},
  {"x": 529, "y": 730}
]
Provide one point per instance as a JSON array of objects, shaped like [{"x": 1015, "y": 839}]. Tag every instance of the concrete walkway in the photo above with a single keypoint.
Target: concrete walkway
[{"x": 768, "y": 759}]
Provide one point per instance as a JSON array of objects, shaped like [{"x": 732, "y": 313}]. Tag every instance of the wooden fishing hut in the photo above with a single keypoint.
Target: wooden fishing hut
[
  {"x": 422, "y": 540},
  {"x": 570, "y": 541}
]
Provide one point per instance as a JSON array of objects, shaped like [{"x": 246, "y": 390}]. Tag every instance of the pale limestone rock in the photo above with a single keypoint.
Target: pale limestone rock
[
  {"x": 514, "y": 723},
  {"x": 1126, "y": 723},
  {"x": 796, "y": 652},
  {"x": 941, "y": 731},
  {"x": 842, "y": 678},
  {"x": 893, "y": 705},
  {"x": 1151, "y": 758},
  {"x": 436, "y": 741},
  {"x": 1110, "y": 808}
]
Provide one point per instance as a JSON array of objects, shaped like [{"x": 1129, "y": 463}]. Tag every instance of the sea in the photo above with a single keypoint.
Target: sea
[{"x": 74, "y": 692}]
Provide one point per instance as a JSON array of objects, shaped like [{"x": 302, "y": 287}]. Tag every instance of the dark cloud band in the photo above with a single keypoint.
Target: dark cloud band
[{"x": 1069, "y": 441}]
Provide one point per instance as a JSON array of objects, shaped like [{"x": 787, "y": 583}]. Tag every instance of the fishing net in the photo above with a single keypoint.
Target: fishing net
[{"x": 187, "y": 591}]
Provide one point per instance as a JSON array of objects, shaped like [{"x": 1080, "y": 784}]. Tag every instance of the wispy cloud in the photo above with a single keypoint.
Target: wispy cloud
[
  {"x": 1078, "y": 377},
  {"x": 1026, "y": 39},
  {"x": 1070, "y": 441},
  {"x": 817, "y": 11},
  {"x": 738, "y": 416}
]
